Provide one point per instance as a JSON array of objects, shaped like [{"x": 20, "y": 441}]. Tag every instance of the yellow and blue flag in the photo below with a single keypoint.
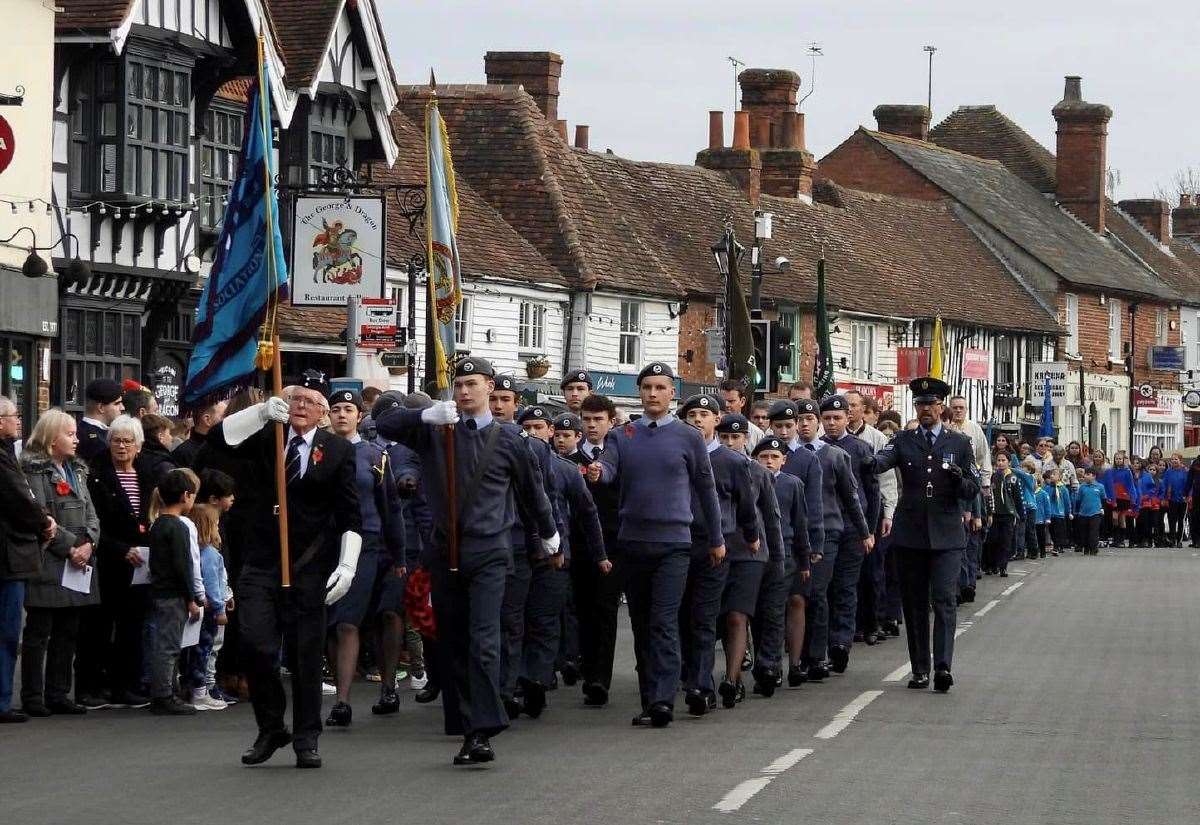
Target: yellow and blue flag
[{"x": 444, "y": 267}]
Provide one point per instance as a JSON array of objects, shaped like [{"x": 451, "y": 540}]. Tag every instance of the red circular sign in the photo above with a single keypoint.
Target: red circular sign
[{"x": 7, "y": 144}]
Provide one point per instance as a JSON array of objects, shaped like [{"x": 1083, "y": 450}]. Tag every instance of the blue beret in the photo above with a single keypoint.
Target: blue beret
[
  {"x": 656, "y": 369},
  {"x": 734, "y": 423}
]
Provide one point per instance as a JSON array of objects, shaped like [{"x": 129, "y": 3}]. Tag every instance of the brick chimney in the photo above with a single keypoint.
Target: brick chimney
[
  {"x": 537, "y": 72},
  {"x": 905, "y": 120},
  {"x": 777, "y": 131},
  {"x": 1082, "y": 154},
  {"x": 1152, "y": 214},
  {"x": 1185, "y": 218},
  {"x": 581, "y": 136},
  {"x": 741, "y": 163}
]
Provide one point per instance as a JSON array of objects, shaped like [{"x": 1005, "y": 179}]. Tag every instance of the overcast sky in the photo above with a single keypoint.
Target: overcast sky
[{"x": 644, "y": 74}]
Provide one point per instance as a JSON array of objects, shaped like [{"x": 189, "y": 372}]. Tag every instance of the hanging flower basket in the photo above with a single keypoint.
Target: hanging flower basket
[{"x": 538, "y": 366}]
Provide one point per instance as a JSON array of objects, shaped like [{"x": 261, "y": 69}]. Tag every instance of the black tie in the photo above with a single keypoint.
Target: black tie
[
  {"x": 654, "y": 425},
  {"x": 471, "y": 425},
  {"x": 293, "y": 467},
  {"x": 929, "y": 438},
  {"x": 812, "y": 448}
]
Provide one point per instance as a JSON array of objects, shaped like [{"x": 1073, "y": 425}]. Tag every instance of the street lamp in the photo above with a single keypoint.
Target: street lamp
[{"x": 762, "y": 232}]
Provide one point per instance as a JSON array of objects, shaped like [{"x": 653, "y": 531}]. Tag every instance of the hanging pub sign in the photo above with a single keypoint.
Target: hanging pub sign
[{"x": 337, "y": 249}]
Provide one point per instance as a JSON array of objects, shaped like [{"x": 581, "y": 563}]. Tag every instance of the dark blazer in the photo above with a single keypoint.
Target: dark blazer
[
  {"x": 22, "y": 520},
  {"x": 929, "y": 512},
  {"x": 121, "y": 527},
  {"x": 157, "y": 461},
  {"x": 185, "y": 454},
  {"x": 321, "y": 505},
  {"x": 607, "y": 498},
  {"x": 793, "y": 521},
  {"x": 804, "y": 465},
  {"x": 93, "y": 440},
  {"x": 862, "y": 461},
  {"x": 584, "y": 537}
]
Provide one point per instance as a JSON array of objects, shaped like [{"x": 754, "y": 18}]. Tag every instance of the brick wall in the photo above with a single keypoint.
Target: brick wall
[
  {"x": 693, "y": 346},
  {"x": 861, "y": 163},
  {"x": 1093, "y": 337}
]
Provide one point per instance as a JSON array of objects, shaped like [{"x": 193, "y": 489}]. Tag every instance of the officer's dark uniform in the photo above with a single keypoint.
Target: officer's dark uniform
[
  {"x": 937, "y": 471},
  {"x": 93, "y": 440}
]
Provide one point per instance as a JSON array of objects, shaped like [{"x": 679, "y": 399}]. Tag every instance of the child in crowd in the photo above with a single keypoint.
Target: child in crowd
[
  {"x": 1006, "y": 504},
  {"x": 1041, "y": 519},
  {"x": 1026, "y": 526},
  {"x": 1177, "y": 496},
  {"x": 194, "y": 668},
  {"x": 1089, "y": 510},
  {"x": 217, "y": 490},
  {"x": 1149, "y": 491},
  {"x": 1062, "y": 511},
  {"x": 1121, "y": 492},
  {"x": 175, "y": 598}
]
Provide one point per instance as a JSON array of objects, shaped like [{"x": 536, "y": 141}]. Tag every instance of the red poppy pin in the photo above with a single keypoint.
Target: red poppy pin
[
  {"x": 317, "y": 455},
  {"x": 62, "y": 488},
  {"x": 141, "y": 528},
  {"x": 629, "y": 431}
]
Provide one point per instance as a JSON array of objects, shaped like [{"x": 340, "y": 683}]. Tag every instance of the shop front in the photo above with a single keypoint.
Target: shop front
[
  {"x": 1160, "y": 425},
  {"x": 1103, "y": 422}
]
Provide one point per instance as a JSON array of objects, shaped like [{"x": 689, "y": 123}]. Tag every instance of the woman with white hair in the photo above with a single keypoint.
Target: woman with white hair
[
  {"x": 58, "y": 479},
  {"x": 110, "y": 648}
]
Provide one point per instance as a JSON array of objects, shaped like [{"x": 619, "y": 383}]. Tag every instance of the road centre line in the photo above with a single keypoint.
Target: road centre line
[
  {"x": 983, "y": 611},
  {"x": 788, "y": 760},
  {"x": 847, "y": 714},
  {"x": 1012, "y": 588},
  {"x": 742, "y": 794}
]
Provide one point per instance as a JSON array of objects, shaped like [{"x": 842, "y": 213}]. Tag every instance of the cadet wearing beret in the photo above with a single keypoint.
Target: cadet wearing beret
[
  {"x": 661, "y": 469},
  {"x": 576, "y": 386},
  {"x": 505, "y": 398},
  {"x": 937, "y": 473},
  {"x": 492, "y": 465},
  {"x": 102, "y": 405},
  {"x": 843, "y": 588}
]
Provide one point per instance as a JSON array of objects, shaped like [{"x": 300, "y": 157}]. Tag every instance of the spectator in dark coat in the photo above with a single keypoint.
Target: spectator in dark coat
[
  {"x": 156, "y": 454},
  {"x": 204, "y": 420}
]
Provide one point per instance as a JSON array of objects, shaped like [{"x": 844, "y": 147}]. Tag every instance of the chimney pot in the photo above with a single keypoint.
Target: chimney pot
[
  {"x": 716, "y": 129},
  {"x": 1185, "y": 200},
  {"x": 581, "y": 136},
  {"x": 1081, "y": 155},
  {"x": 1073, "y": 88},
  {"x": 1185, "y": 218},
  {"x": 792, "y": 131},
  {"x": 741, "y": 130},
  {"x": 760, "y": 131},
  {"x": 904, "y": 120},
  {"x": 537, "y": 72},
  {"x": 1152, "y": 214},
  {"x": 561, "y": 127}
]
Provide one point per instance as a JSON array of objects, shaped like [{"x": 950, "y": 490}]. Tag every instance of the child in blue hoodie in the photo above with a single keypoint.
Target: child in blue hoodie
[
  {"x": 1123, "y": 496},
  {"x": 1026, "y": 471},
  {"x": 1041, "y": 520},
  {"x": 1177, "y": 495},
  {"x": 1149, "y": 484},
  {"x": 1089, "y": 510},
  {"x": 1062, "y": 511}
]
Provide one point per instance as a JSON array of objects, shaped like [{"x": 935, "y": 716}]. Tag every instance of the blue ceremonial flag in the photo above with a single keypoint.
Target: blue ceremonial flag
[
  {"x": 249, "y": 271},
  {"x": 1047, "y": 429}
]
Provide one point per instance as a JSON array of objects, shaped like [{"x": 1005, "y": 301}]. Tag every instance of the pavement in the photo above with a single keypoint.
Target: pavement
[{"x": 1075, "y": 702}]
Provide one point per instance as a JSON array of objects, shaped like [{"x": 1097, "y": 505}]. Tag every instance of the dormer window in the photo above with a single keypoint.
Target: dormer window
[{"x": 329, "y": 141}]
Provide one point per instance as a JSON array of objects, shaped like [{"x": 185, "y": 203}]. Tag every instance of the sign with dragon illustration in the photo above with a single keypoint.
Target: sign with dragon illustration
[{"x": 337, "y": 249}]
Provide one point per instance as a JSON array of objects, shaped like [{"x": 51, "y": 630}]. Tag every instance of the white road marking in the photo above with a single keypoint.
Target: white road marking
[
  {"x": 742, "y": 794},
  {"x": 788, "y": 760},
  {"x": 1012, "y": 588},
  {"x": 899, "y": 673},
  {"x": 847, "y": 714},
  {"x": 983, "y": 611},
  {"x": 1018, "y": 572}
]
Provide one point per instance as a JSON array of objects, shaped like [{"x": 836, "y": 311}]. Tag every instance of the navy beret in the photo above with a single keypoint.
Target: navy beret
[
  {"x": 770, "y": 443},
  {"x": 656, "y": 369},
  {"x": 834, "y": 402},
  {"x": 506, "y": 382},
  {"x": 568, "y": 421},
  {"x": 700, "y": 402},
  {"x": 782, "y": 411},
  {"x": 734, "y": 423},
  {"x": 346, "y": 397},
  {"x": 806, "y": 406},
  {"x": 103, "y": 391},
  {"x": 474, "y": 366},
  {"x": 534, "y": 413},
  {"x": 576, "y": 377},
  {"x": 387, "y": 401}
]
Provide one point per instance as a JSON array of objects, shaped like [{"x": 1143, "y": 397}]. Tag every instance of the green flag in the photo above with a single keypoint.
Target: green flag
[
  {"x": 741, "y": 340},
  {"x": 823, "y": 364}
]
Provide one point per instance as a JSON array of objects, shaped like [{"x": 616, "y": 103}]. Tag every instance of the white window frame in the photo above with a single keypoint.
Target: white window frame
[
  {"x": 462, "y": 322},
  {"x": 630, "y": 337},
  {"x": 1195, "y": 341},
  {"x": 1072, "y": 323},
  {"x": 865, "y": 332},
  {"x": 531, "y": 327},
  {"x": 1114, "y": 329}
]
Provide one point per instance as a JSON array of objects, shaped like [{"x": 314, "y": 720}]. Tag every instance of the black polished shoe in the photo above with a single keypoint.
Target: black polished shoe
[
  {"x": 265, "y": 745},
  {"x": 942, "y": 680},
  {"x": 92, "y": 701},
  {"x": 839, "y": 658},
  {"x": 870, "y": 638},
  {"x": 65, "y": 707},
  {"x": 475, "y": 750},
  {"x": 389, "y": 702},
  {"x": 1004, "y": 574},
  {"x": 919, "y": 681},
  {"x": 570, "y": 673},
  {"x": 818, "y": 673},
  {"x": 511, "y": 706},
  {"x": 171, "y": 706},
  {"x": 534, "y": 701},
  {"x": 765, "y": 681},
  {"x": 595, "y": 695},
  {"x": 968, "y": 594},
  {"x": 427, "y": 694},
  {"x": 308, "y": 758},
  {"x": 697, "y": 704},
  {"x": 728, "y": 693},
  {"x": 661, "y": 715},
  {"x": 35, "y": 710},
  {"x": 339, "y": 716},
  {"x": 797, "y": 675},
  {"x": 642, "y": 720},
  {"x": 12, "y": 717}
]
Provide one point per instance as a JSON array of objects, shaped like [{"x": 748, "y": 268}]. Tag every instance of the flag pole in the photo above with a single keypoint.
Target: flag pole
[{"x": 285, "y": 565}]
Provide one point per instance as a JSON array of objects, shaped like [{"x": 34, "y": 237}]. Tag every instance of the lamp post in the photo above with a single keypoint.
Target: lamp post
[
  {"x": 762, "y": 232},
  {"x": 723, "y": 250}
]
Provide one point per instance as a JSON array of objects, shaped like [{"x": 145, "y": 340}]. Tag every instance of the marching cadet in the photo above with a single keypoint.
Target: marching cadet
[
  {"x": 872, "y": 582},
  {"x": 937, "y": 472},
  {"x": 708, "y": 579},
  {"x": 843, "y": 588},
  {"x": 795, "y": 534},
  {"x": 843, "y": 514},
  {"x": 325, "y": 527},
  {"x": 598, "y": 597},
  {"x": 102, "y": 404},
  {"x": 576, "y": 386},
  {"x": 492, "y": 465},
  {"x": 382, "y": 556},
  {"x": 658, "y": 463},
  {"x": 503, "y": 400},
  {"x": 741, "y": 608}
]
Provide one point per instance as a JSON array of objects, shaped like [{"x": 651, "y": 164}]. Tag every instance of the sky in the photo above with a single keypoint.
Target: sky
[{"x": 643, "y": 75}]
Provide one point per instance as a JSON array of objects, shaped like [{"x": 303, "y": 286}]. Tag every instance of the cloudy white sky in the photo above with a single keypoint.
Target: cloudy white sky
[{"x": 644, "y": 74}]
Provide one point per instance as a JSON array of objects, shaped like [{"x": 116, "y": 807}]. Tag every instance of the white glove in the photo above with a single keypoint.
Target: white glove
[
  {"x": 551, "y": 545},
  {"x": 274, "y": 409},
  {"x": 241, "y": 425},
  {"x": 442, "y": 412},
  {"x": 341, "y": 578}
]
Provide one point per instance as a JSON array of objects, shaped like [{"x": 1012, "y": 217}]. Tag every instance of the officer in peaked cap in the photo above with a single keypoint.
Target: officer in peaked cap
[
  {"x": 576, "y": 386},
  {"x": 937, "y": 473}
]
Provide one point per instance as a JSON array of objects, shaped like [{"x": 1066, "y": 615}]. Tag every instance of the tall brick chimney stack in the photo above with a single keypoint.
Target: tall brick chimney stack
[
  {"x": 1185, "y": 218},
  {"x": 740, "y": 162},
  {"x": 905, "y": 120},
  {"x": 1152, "y": 214},
  {"x": 538, "y": 72},
  {"x": 777, "y": 131},
  {"x": 1082, "y": 154}
]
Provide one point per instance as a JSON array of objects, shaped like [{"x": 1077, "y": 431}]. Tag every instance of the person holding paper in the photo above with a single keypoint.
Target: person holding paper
[
  {"x": 110, "y": 638},
  {"x": 58, "y": 479}
]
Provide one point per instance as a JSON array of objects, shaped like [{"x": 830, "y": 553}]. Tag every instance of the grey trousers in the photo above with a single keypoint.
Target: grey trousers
[{"x": 170, "y": 614}]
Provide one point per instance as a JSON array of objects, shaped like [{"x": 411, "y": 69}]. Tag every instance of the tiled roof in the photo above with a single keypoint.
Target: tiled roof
[
  {"x": 1027, "y": 218},
  {"x": 985, "y": 132},
  {"x": 316, "y": 325},
  {"x": 237, "y": 90},
  {"x": 1177, "y": 265},
  {"x": 91, "y": 14},
  {"x": 302, "y": 29}
]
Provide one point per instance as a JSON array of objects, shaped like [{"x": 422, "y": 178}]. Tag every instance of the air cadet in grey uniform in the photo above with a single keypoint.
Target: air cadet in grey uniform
[{"x": 937, "y": 472}]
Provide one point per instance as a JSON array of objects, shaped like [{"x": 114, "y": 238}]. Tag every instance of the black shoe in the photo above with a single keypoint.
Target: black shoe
[
  {"x": 339, "y": 717},
  {"x": 747, "y": 661},
  {"x": 919, "y": 681},
  {"x": 170, "y": 706},
  {"x": 797, "y": 676},
  {"x": 35, "y": 710},
  {"x": 427, "y": 694},
  {"x": 741, "y": 692},
  {"x": 968, "y": 593},
  {"x": 595, "y": 695},
  {"x": 308, "y": 758},
  {"x": 65, "y": 707},
  {"x": 891, "y": 627},
  {"x": 11, "y": 717},
  {"x": 697, "y": 703},
  {"x": 475, "y": 750},
  {"x": 265, "y": 745},
  {"x": 728, "y": 692},
  {"x": 93, "y": 701},
  {"x": 642, "y": 720},
  {"x": 870, "y": 638},
  {"x": 389, "y": 702},
  {"x": 128, "y": 699},
  {"x": 839, "y": 658},
  {"x": 570, "y": 673},
  {"x": 1004, "y": 574},
  {"x": 535, "y": 699},
  {"x": 942, "y": 680},
  {"x": 511, "y": 706},
  {"x": 818, "y": 673},
  {"x": 661, "y": 715},
  {"x": 765, "y": 681}
]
